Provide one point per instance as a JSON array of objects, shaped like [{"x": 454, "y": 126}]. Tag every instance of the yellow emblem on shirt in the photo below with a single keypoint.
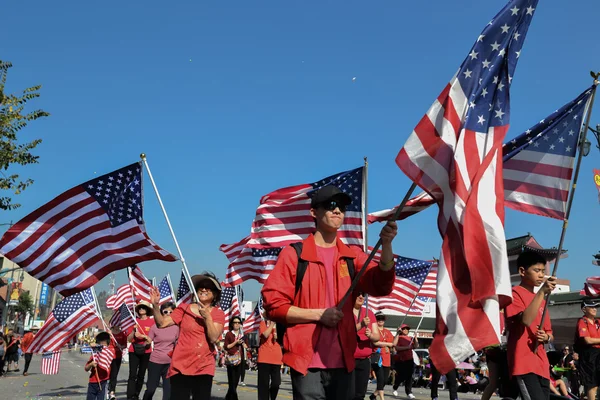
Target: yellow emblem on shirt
[{"x": 344, "y": 269}]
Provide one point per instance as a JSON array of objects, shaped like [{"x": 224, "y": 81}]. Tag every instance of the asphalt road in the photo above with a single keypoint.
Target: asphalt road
[{"x": 71, "y": 383}]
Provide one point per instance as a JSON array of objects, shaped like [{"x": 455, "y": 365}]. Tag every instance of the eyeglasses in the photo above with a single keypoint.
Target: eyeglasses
[
  {"x": 235, "y": 322},
  {"x": 361, "y": 295},
  {"x": 332, "y": 205},
  {"x": 167, "y": 311}
]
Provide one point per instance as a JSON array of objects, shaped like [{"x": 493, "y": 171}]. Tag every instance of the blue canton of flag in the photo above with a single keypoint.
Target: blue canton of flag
[
  {"x": 165, "y": 290},
  {"x": 487, "y": 72},
  {"x": 412, "y": 270},
  {"x": 71, "y": 304},
  {"x": 349, "y": 182},
  {"x": 227, "y": 297},
  {"x": 184, "y": 294}
]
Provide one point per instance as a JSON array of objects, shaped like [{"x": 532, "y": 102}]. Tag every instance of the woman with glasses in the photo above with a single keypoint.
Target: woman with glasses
[
  {"x": 164, "y": 340},
  {"x": 200, "y": 327},
  {"x": 235, "y": 344}
]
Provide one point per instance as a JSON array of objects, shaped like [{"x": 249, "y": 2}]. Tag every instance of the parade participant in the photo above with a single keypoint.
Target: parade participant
[
  {"x": 235, "y": 344},
  {"x": 164, "y": 340},
  {"x": 587, "y": 342},
  {"x": 2, "y": 354},
  {"x": 98, "y": 375},
  {"x": 200, "y": 327},
  {"x": 119, "y": 343},
  {"x": 320, "y": 339},
  {"x": 404, "y": 364},
  {"x": 269, "y": 361},
  {"x": 382, "y": 357},
  {"x": 139, "y": 350},
  {"x": 368, "y": 334},
  {"x": 11, "y": 355},
  {"x": 451, "y": 382},
  {"x": 25, "y": 342},
  {"x": 527, "y": 360}
]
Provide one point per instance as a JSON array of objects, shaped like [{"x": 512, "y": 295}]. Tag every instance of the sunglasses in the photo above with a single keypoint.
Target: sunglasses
[
  {"x": 167, "y": 311},
  {"x": 236, "y": 322},
  {"x": 332, "y": 205}
]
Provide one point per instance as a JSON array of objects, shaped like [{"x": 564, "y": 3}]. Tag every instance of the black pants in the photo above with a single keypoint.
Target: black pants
[
  {"x": 155, "y": 371},
  {"x": 27, "y": 361},
  {"x": 404, "y": 373},
  {"x": 198, "y": 386},
  {"x": 319, "y": 384},
  {"x": 266, "y": 373},
  {"x": 243, "y": 373},
  {"x": 1, "y": 365},
  {"x": 233, "y": 378},
  {"x": 361, "y": 373},
  {"x": 450, "y": 381},
  {"x": 115, "y": 366},
  {"x": 533, "y": 387},
  {"x": 137, "y": 370}
]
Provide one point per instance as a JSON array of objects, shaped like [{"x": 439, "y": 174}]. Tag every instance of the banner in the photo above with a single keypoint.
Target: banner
[
  {"x": 597, "y": 181},
  {"x": 44, "y": 295}
]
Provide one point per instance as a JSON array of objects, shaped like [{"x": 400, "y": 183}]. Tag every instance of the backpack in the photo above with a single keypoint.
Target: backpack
[{"x": 300, "y": 271}]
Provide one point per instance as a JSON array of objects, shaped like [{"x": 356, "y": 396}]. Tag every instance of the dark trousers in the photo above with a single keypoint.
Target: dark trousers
[
  {"x": 450, "y": 381},
  {"x": 233, "y": 378},
  {"x": 115, "y": 366},
  {"x": 96, "y": 391},
  {"x": 319, "y": 384},
  {"x": 27, "y": 361},
  {"x": 533, "y": 387},
  {"x": 243, "y": 373},
  {"x": 1, "y": 365},
  {"x": 198, "y": 386},
  {"x": 266, "y": 373},
  {"x": 155, "y": 371},
  {"x": 360, "y": 375},
  {"x": 404, "y": 373},
  {"x": 137, "y": 370}
]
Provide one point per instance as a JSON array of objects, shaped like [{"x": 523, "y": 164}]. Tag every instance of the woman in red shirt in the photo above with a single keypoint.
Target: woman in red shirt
[
  {"x": 269, "y": 361},
  {"x": 200, "y": 327},
  {"x": 235, "y": 344},
  {"x": 140, "y": 349},
  {"x": 385, "y": 345}
]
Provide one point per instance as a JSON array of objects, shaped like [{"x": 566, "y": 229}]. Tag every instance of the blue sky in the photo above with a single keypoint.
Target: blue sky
[{"x": 231, "y": 100}]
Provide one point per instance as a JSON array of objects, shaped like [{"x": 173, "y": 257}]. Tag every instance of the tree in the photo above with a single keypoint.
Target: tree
[
  {"x": 12, "y": 120},
  {"x": 24, "y": 306}
]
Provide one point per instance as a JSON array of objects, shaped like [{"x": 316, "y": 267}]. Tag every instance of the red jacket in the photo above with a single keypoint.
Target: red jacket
[{"x": 300, "y": 340}]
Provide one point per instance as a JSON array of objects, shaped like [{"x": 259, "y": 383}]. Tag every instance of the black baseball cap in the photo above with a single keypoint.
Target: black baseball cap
[
  {"x": 590, "y": 303},
  {"x": 327, "y": 193}
]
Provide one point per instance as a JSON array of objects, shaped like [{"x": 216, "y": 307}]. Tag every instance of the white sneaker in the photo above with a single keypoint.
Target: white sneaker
[
  {"x": 411, "y": 396},
  {"x": 243, "y": 384},
  {"x": 395, "y": 393}
]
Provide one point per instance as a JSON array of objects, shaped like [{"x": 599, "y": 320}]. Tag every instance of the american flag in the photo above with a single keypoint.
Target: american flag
[
  {"x": 141, "y": 285},
  {"x": 123, "y": 318},
  {"x": 164, "y": 288},
  {"x": 389, "y": 304},
  {"x": 283, "y": 216},
  {"x": 414, "y": 205},
  {"x": 230, "y": 303},
  {"x": 248, "y": 263},
  {"x": 124, "y": 295},
  {"x": 454, "y": 153},
  {"x": 538, "y": 164},
  {"x": 591, "y": 287},
  {"x": 184, "y": 294},
  {"x": 84, "y": 234},
  {"x": 103, "y": 355},
  {"x": 252, "y": 323},
  {"x": 50, "y": 362},
  {"x": 69, "y": 317}
]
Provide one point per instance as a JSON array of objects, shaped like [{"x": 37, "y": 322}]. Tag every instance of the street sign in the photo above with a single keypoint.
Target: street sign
[{"x": 44, "y": 295}]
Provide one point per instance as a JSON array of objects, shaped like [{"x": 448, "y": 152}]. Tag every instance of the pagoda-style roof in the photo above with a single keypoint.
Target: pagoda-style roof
[{"x": 519, "y": 244}]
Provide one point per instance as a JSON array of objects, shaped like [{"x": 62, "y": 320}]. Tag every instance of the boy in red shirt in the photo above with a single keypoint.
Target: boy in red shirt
[
  {"x": 99, "y": 369},
  {"x": 527, "y": 360}
]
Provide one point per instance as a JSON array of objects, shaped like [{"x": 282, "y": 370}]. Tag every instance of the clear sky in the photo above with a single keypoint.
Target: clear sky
[{"x": 233, "y": 99}]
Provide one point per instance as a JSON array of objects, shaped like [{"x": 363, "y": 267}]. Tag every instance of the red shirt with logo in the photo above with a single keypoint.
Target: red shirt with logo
[{"x": 587, "y": 328}]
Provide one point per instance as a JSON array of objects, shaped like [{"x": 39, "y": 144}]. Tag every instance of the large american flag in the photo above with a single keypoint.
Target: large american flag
[
  {"x": 454, "y": 153},
  {"x": 591, "y": 287},
  {"x": 231, "y": 298},
  {"x": 538, "y": 164},
  {"x": 50, "y": 362},
  {"x": 252, "y": 323},
  {"x": 124, "y": 295},
  {"x": 84, "y": 234},
  {"x": 69, "y": 317},
  {"x": 248, "y": 263},
  {"x": 283, "y": 216},
  {"x": 140, "y": 284},
  {"x": 184, "y": 294},
  {"x": 164, "y": 288}
]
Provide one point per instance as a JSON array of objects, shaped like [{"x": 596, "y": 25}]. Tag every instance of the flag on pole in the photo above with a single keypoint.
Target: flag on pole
[
  {"x": 248, "y": 263},
  {"x": 538, "y": 164},
  {"x": 184, "y": 294},
  {"x": 122, "y": 296},
  {"x": 283, "y": 216},
  {"x": 591, "y": 287},
  {"x": 127, "y": 319},
  {"x": 103, "y": 355},
  {"x": 140, "y": 284},
  {"x": 50, "y": 362},
  {"x": 252, "y": 323},
  {"x": 230, "y": 304},
  {"x": 597, "y": 181},
  {"x": 68, "y": 318},
  {"x": 165, "y": 291},
  {"x": 84, "y": 234},
  {"x": 390, "y": 304},
  {"x": 454, "y": 153},
  {"x": 414, "y": 205}
]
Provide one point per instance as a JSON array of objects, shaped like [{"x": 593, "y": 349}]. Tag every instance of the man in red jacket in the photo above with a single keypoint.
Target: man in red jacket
[{"x": 320, "y": 340}]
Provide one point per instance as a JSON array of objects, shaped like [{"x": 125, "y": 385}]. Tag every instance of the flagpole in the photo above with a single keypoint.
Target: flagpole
[
  {"x": 377, "y": 246},
  {"x": 582, "y": 139},
  {"x": 365, "y": 222},
  {"x": 420, "y": 321},
  {"x": 181, "y": 258},
  {"x": 99, "y": 315}
]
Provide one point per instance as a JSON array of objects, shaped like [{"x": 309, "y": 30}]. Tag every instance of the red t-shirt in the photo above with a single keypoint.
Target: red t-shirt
[
  {"x": 364, "y": 346},
  {"x": 522, "y": 339},
  {"x": 328, "y": 352},
  {"x": 121, "y": 339},
  {"x": 193, "y": 354},
  {"x": 103, "y": 374},
  {"x": 386, "y": 356},
  {"x": 404, "y": 355},
  {"x": 26, "y": 341},
  {"x": 269, "y": 351},
  {"x": 145, "y": 324},
  {"x": 585, "y": 328}
]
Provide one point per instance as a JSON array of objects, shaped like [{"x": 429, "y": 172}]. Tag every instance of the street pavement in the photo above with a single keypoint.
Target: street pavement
[{"x": 71, "y": 383}]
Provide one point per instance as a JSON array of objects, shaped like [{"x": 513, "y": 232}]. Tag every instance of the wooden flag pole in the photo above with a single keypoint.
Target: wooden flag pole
[
  {"x": 181, "y": 258},
  {"x": 582, "y": 139},
  {"x": 377, "y": 246}
]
